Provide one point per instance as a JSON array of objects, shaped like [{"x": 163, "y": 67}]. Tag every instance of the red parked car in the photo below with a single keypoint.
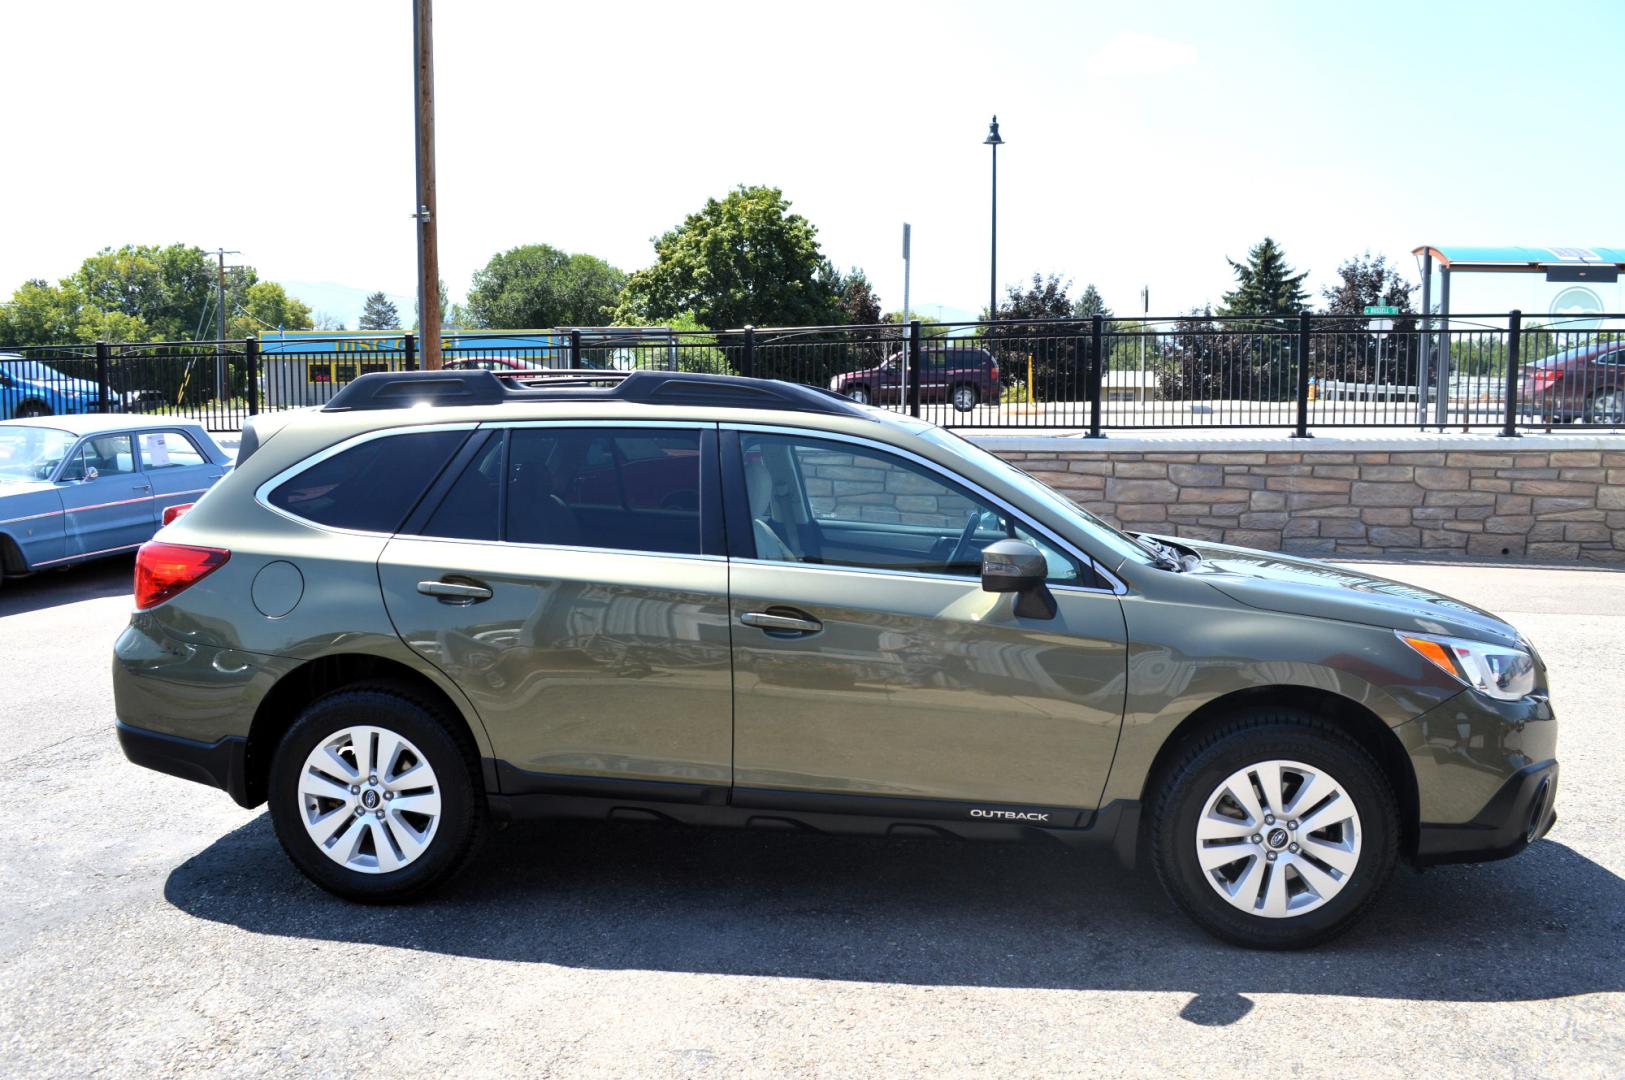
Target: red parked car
[
  {"x": 1580, "y": 385},
  {"x": 965, "y": 377}
]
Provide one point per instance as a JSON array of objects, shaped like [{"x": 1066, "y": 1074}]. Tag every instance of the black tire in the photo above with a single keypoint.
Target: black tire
[
  {"x": 1250, "y": 738},
  {"x": 462, "y": 822},
  {"x": 859, "y": 394},
  {"x": 975, "y": 397},
  {"x": 1605, "y": 408},
  {"x": 31, "y": 409}
]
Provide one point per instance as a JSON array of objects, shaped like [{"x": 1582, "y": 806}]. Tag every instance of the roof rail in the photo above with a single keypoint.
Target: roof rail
[{"x": 407, "y": 389}]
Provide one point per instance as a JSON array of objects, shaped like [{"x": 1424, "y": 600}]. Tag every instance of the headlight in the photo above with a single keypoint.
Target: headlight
[
  {"x": 835, "y": 383},
  {"x": 1497, "y": 671}
]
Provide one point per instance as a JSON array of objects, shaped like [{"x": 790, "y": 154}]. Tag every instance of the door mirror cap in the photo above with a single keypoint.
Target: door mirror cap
[
  {"x": 1012, "y": 566},
  {"x": 1015, "y": 566}
]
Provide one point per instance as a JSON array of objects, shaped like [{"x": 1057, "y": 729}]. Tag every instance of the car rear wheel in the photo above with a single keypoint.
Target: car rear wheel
[
  {"x": 1607, "y": 407},
  {"x": 1276, "y": 832},
  {"x": 33, "y": 408},
  {"x": 859, "y": 394},
  {"x": 965, "y": 398},
  {"x": 372, "y": 796}
]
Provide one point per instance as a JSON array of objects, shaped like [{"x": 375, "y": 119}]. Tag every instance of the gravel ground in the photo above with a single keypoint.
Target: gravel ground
[{"x": 152, "y": 927}]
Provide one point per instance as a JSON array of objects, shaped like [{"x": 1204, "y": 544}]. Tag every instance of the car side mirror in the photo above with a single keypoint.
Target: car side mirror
[
  {"x": 91, "y": 473},
  {"x": 1015, "y": 566}
]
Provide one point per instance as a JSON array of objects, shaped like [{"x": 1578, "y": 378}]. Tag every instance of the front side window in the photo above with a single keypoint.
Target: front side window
[
  {"x": 838, "y": 504},
  {"x": 108, "y": 455},
  {"x": 372, "y": 486}
]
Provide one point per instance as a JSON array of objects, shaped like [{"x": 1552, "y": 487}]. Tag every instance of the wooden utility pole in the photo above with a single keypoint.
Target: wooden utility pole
[{"x": 429, "y": 316}]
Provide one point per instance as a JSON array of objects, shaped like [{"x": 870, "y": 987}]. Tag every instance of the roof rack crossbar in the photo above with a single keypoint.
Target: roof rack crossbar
[{"x": 406, "y": 389}]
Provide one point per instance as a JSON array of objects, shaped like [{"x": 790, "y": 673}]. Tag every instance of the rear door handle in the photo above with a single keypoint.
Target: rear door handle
[
  {"x": 454, "y": 592},
  {"x": 782, "y": 620}
]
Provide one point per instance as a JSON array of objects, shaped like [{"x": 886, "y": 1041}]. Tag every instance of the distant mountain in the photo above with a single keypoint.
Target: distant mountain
[{"x": 344, "y": 302}]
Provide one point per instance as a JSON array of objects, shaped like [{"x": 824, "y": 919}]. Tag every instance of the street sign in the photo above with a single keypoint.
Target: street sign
[{"x": 1381, "y": 309}]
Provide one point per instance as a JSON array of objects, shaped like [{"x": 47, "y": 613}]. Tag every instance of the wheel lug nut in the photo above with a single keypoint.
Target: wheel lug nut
[
  {"x": 380, "y": 815},
  {"x": 359, "y": 811},
  {"x": 1292, "y": 824},
  {"x": 1269, "y": 819},
  {"x": 355, "y": 789},
  {"x": 1270, "y": 856},
  {"x": 1293, "y": 848},
  {"x": 372, "y": 780},
  {"x": 389, "y": 794},
  {"x": 1257, "y": 839}
]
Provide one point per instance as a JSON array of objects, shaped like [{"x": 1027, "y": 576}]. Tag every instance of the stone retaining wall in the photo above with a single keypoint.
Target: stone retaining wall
[{"x": 1341, "y": 499}]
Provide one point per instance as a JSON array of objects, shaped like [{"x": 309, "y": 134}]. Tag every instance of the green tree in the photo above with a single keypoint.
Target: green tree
[
  {"x": 1090, "y": 304},
  {"x": 1020, "y": 341},
  {"x": 537, "y": 286},
  {"x": 169, "y": 289},
  {"x": 1265, "y": 284},
  {"x": 742, "y": 260},
  {"x": 254, "y": 305},
  {"x": 378, "y": 313}
]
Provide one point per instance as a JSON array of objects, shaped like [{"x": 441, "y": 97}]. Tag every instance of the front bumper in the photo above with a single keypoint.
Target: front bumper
[
  {"x": 221, "y": 764},
  {"x": 1520, "y": 813}
]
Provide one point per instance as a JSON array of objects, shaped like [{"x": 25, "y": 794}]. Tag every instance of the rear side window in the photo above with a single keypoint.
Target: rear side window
[
  {"x": 629, "y": 489},
  {"x": 372, "y": 486},
  {"x": 168, "y": 449},
  {"x": 633, "y": 489}
]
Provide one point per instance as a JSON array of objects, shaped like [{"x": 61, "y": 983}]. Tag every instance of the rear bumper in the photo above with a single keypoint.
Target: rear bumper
[
  {"x": 221, "y": 764},
  {"x": 1521, "y": 812}
]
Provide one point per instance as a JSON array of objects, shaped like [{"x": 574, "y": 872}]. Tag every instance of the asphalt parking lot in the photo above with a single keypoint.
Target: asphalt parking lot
[{"x": 152, "y": 927}]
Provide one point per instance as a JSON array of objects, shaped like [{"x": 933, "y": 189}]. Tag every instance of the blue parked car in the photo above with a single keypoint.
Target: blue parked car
[
  {"x": 80, "y": 487},
  {"x": 32, "y": 388}
]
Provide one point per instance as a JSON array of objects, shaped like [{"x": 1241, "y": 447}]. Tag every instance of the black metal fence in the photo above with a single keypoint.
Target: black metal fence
[{"x": 1479, "y": 372}]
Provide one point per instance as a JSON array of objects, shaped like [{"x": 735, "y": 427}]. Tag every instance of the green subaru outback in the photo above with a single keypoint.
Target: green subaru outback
[{"x": 449, "y": 597}]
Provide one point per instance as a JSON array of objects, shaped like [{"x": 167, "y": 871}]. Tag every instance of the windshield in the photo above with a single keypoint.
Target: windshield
[
  {"x": 32, "y": 453},
  {"x": 1043, "y": 493}
]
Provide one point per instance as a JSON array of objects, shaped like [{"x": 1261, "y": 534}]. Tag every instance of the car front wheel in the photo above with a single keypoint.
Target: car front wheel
[
  {"x": 1277, "y": 832},
  {"x": 372, "y": 796},
  {"x": 859, "y": 394}
]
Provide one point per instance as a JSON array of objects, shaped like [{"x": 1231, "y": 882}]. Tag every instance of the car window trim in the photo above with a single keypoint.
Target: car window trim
[
  {"x": 1114, "y": 584},
  {"x": 262, "y": 494}
]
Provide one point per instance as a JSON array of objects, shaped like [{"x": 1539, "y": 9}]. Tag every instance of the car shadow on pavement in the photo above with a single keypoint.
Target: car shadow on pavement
[
  {"x": 70, "y": 585},
  {"x": 1550, "y": 923}
]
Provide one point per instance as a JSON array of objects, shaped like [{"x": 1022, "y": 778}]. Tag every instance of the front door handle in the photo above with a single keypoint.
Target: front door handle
[
  {"x": 454, "y": 592},
  {"x": 782, "y": 620}
]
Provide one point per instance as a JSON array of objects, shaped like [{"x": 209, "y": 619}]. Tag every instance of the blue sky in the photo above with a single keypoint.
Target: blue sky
[{"x": 1146, "y": 142}]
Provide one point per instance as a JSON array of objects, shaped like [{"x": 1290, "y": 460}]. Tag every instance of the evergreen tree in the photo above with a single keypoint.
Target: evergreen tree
[
  {"x": 1090, "y": 304},
  {"x": 1265, "y": 284},
  {"x": 377, "y": 313}
]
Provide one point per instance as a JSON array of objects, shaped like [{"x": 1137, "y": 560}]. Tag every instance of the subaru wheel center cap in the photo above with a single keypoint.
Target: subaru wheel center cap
[
  {"x": 1277, "y": 837},
  {"x": 369, "y": 799}
]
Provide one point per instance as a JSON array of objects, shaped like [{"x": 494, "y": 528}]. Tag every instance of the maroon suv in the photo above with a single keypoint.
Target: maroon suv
[
  {"x": 965, "y": 377},
  {"x": 1580, "y": 385}
]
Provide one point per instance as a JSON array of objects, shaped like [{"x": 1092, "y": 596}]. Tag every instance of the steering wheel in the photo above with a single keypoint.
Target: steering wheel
[{"x": 962, "y": 548}]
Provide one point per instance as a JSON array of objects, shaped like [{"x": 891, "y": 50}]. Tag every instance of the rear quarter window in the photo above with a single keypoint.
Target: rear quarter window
[{"x": 371, "y": 486}]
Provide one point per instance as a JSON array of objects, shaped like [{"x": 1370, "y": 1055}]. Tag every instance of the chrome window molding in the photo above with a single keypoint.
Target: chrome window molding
[
  {"x": 1115, "y": 585},
  {"x": 576, "y": 549}
]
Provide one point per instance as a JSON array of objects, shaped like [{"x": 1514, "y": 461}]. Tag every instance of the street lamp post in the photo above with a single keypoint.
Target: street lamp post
[{"x": 994, "y": 141}]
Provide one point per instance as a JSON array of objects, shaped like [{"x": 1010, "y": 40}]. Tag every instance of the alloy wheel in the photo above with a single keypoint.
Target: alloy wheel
[
  {"x": 859, "y": 395},
  {"x": 1278, "y": 839},
  {"x": 964, "y": 399},
  {"x": 369, "y": 799},
  {"x": 1608, "y": 407}
]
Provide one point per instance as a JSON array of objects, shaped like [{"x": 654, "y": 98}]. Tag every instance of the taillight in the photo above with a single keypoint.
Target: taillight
[
  {"x": 995, "y": 373},
  {"x": 1544, "y": 376},
  {"x": 173, "y": 512},
  {"x": 164, "y": 570}
]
